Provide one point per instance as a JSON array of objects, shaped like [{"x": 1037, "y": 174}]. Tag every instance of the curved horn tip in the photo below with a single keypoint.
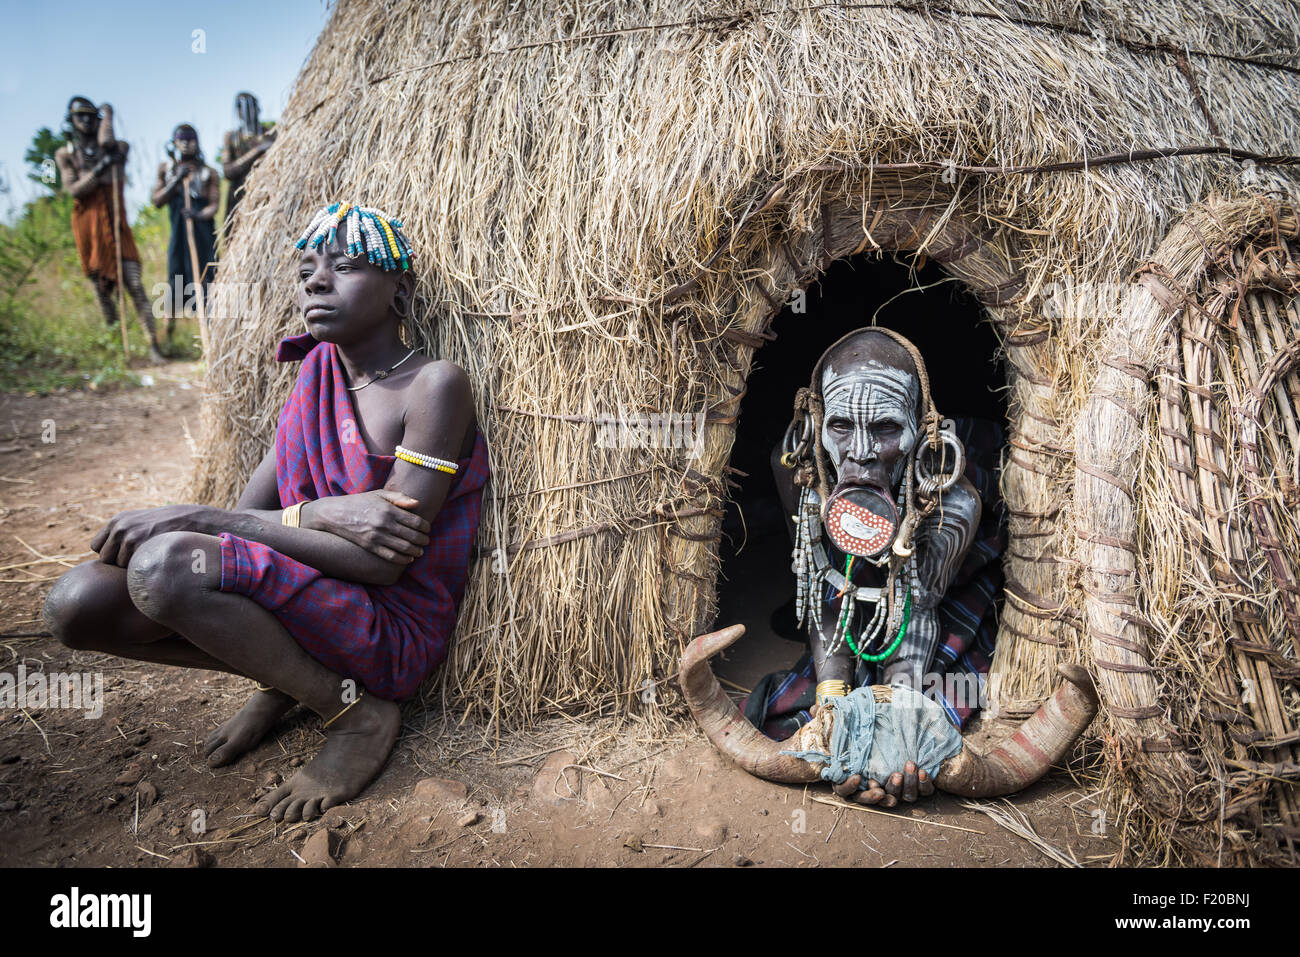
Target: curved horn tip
[
  {"x": 722, "y": 722},
  {"x": 706, "y": 646},
  {"x": 1079, "y": 676}
]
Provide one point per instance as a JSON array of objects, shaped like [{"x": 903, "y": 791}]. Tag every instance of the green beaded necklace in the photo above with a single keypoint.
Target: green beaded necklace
[{"x": 843, "y": 627}]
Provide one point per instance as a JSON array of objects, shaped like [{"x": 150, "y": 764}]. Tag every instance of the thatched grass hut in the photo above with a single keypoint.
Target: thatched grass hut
[{"x": 613, "y": 200}]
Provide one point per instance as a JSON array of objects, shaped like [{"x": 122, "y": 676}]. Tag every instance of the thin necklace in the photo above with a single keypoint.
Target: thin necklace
[{"x": 380, "y": 375}]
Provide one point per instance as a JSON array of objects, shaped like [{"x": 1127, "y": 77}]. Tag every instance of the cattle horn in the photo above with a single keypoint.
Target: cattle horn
[{"x": 1015, "y": 763}]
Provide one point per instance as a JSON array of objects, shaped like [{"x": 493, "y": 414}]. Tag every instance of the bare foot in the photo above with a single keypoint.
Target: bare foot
[
  {"x": 358, "y": 746},
  {"x": 241, "y": 732}
]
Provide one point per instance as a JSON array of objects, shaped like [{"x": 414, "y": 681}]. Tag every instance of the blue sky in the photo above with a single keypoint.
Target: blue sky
[{"x": 140, "y": 56}]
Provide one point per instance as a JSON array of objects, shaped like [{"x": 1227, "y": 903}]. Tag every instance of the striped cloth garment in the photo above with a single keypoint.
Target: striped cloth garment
[{"x": 389, "y": 638}]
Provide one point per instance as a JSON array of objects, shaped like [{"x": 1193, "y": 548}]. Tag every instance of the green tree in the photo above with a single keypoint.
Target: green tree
[
  {"x": 40, "y": 157},
  {"x": 39, "y": 235}
]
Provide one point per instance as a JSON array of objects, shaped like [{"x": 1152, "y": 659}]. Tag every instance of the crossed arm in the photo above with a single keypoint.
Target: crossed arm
[
  {"x": 233, "y": 169},
  {"x": 112, "y": 150},
  {"x": 167, "y": 181},
  {"x": 92, "y": 177},
  {"x": 369, "y": 537}
]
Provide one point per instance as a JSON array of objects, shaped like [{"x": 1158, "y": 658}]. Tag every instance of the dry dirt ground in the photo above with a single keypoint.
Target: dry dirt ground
[{"x": 130, "y": 788}]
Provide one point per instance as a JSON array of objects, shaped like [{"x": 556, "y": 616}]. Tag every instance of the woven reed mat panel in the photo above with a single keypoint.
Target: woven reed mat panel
[{"x": 1186, "y": 524}]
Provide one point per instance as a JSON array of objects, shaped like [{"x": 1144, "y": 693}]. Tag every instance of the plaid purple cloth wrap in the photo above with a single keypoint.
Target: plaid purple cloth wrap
[
  {"x": 780, "y": 701},
  {"x": 389, "y": 638}
]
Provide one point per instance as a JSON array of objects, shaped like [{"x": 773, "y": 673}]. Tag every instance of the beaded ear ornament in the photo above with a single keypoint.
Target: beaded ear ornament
[{"x": 368, "y": 230}]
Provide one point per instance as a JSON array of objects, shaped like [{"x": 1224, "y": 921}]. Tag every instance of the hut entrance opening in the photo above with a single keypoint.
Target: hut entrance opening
[{"x": 960, "y": 349}]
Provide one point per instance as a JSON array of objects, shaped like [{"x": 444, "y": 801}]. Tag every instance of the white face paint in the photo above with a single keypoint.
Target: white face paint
[{"x": 870, "y": 395}]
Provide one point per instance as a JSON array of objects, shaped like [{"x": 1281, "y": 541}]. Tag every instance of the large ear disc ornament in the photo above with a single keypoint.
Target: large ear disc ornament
[{"x": 860, "y": 521}]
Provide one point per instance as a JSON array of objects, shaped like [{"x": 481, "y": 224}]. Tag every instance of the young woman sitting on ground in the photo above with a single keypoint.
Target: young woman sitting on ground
[{"x": 335, "y": 581}]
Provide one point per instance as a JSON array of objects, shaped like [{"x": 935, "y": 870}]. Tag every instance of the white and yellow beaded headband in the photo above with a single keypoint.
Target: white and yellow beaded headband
[{"x": 370, "y": 231}]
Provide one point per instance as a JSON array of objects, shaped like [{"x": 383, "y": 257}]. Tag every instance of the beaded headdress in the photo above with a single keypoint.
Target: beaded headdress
[{"x": 368, "y": 231}]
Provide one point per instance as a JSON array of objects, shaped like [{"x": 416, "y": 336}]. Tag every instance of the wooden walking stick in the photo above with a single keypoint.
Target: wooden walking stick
[
  {"x": 194, "y": 269},
  {"x": 121, "y": 277}
]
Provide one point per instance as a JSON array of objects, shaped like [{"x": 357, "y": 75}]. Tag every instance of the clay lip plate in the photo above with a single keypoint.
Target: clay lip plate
[{"x": 855, "y": 527}]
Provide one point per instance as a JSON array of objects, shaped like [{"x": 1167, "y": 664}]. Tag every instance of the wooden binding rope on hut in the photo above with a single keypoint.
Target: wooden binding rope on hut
[{"x": 694, "y": 174}]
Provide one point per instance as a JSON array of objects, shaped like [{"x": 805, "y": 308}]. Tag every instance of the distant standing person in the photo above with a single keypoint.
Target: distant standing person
[
  {"x": 86, "y": 167},
  {"x": 187, "y": 175},
  {"x": 242, "y": 148}
]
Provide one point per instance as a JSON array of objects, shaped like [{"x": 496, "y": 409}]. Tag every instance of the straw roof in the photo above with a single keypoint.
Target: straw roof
[{"x": 611, "y": 201}]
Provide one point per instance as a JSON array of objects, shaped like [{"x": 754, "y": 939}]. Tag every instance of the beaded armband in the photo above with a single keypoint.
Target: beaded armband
[{"x": 427, "y": 461}]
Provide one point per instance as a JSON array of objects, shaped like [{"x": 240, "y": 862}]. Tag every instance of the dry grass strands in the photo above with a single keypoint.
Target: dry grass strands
[{"x": 1006, "y": 815}]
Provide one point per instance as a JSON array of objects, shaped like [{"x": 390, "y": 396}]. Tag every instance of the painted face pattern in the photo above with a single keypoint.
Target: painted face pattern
[{"x": 869, "y": 395}]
